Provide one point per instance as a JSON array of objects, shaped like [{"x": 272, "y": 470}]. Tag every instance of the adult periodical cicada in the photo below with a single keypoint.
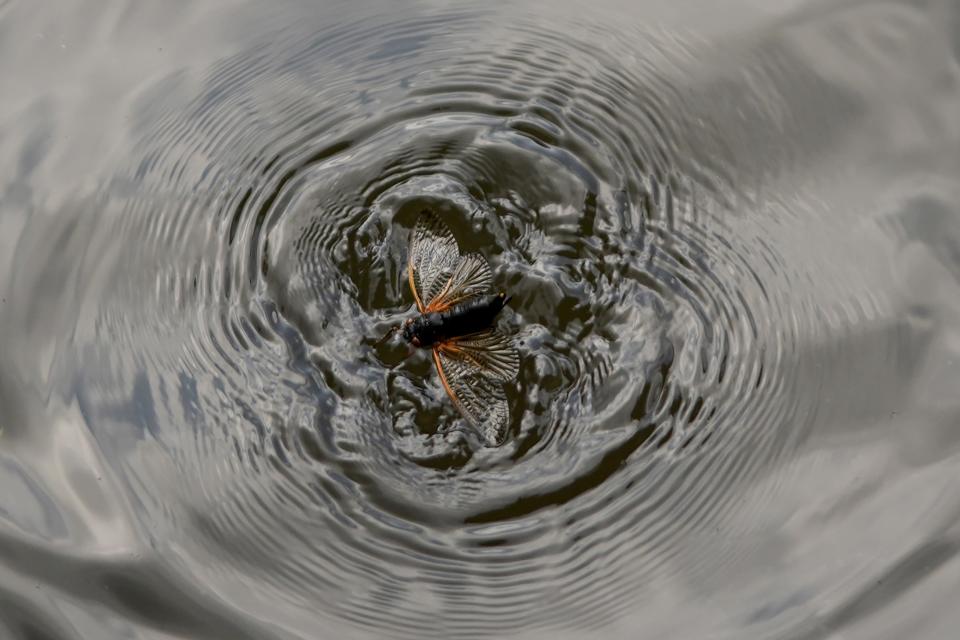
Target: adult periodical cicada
[{"x": 457, "y": 312}]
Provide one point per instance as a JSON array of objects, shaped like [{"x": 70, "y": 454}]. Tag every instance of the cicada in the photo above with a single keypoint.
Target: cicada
[{"x": 457, "y": 311}]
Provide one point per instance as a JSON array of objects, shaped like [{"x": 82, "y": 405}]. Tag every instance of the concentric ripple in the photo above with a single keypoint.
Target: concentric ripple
[{"x": 256, "y": 251}]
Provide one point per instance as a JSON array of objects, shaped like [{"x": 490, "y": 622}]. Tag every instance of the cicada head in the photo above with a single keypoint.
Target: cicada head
[{"x": 408, "y": 332}]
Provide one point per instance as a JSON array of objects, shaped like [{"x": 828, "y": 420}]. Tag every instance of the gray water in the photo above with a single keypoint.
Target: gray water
[{"x": 732, "y": 236}]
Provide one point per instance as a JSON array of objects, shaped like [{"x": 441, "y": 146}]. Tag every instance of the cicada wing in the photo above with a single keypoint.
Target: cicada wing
[
  {"x": 490, "y": 352},
  {"x": 433, "y": 258},
  {"x": 479, "y": 397},
  {"x": 471, "y": 277}
]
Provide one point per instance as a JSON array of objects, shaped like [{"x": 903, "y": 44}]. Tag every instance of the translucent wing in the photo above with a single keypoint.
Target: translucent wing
[
  {"x": 489, "y": 352},
  {"x": 471, "y": 277},
  {"x": 433, "y": 258},
  {"x": 479, "y": 397}
]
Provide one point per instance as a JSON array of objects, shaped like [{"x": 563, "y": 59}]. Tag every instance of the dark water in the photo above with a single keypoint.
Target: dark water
[{"x": 732, "y": 234}]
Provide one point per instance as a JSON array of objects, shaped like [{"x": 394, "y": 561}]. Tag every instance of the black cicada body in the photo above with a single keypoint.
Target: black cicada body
[{"x": 457, "y": 312}]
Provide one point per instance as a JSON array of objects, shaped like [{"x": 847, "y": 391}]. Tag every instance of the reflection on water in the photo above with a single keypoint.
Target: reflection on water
[{"x": 733, "y": 247}]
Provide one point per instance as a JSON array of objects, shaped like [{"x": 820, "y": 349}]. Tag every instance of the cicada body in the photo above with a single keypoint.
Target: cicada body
[{"x": 457, "y": 313}]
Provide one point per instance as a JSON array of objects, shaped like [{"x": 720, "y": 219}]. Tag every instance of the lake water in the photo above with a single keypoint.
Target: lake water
[{"x": 732, "y": 236}]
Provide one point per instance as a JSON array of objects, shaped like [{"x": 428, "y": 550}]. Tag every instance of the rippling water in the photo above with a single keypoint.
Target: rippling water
[{"x": 732, "y": 237}]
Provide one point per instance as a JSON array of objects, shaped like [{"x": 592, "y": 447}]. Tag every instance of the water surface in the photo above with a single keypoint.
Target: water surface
[{"x": 732, "y": 238}]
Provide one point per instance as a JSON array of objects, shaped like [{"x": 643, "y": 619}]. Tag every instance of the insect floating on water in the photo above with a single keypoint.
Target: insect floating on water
[{"x": 457, "y": 312}]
